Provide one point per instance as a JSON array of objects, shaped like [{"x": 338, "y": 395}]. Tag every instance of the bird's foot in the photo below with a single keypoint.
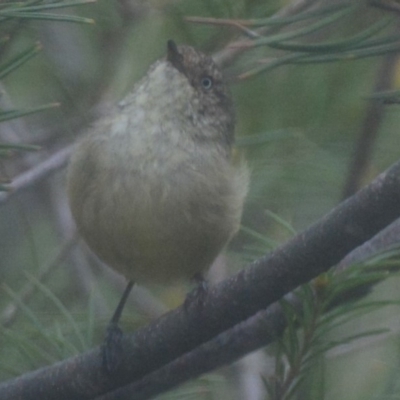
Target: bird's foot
[
  {"x": 196, "y": 297},
  {"x": 111, "y": 350}
]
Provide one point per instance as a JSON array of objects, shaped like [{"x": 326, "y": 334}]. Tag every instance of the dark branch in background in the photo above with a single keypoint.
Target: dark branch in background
[
  {"x": 387, "y": 5},
  {"x": 374, "y": 112},
  {"x": 233, "y": 301}
]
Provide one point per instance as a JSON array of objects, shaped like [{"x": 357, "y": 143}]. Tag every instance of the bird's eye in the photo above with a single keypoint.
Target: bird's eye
[{"x": 207, "y": 82}]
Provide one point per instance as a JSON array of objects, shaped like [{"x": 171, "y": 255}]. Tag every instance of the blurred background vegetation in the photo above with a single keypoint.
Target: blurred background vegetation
[{"x": 302, "y": 116}]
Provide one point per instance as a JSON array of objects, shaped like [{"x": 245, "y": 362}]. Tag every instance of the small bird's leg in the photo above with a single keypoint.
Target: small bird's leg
[
  {"x": 197, "y": 295},
  {"x": 202, "y": 284},
  {"x": 111, "y": 349}
]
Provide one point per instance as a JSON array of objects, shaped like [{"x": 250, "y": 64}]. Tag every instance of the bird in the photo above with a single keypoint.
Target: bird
[{"x": 155, "y": 186}]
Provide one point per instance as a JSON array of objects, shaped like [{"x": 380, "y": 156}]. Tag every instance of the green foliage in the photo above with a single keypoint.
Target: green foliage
[
  {"x": 311, "y": 73},
  {"x": 43, "y": 343},
  {"x": 11, "y": 14},
  {"x": 34, "y": 10},
  {"x": 324, "y": 306}
]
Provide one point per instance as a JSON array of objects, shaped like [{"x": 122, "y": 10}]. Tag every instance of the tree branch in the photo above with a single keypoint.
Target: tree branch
[
  {"x": 258, "y": 331},
  {"x": 232, "y": 301},
  {"x": 38, "y": 172}
]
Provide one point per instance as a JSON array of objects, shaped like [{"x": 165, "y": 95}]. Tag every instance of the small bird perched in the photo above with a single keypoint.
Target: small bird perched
[{"x": 153, "y": 187}]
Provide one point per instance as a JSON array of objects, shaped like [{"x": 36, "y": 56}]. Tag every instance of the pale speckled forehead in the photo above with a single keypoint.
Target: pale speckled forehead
[
  {"x": 155, "y": 86},
  {"x": 197, "y": 63}
]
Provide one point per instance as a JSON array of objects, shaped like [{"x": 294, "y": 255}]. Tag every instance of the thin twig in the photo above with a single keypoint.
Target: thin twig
[
  {"x": 38, "y": 172},
  {"x": 229, "y": 53}
]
